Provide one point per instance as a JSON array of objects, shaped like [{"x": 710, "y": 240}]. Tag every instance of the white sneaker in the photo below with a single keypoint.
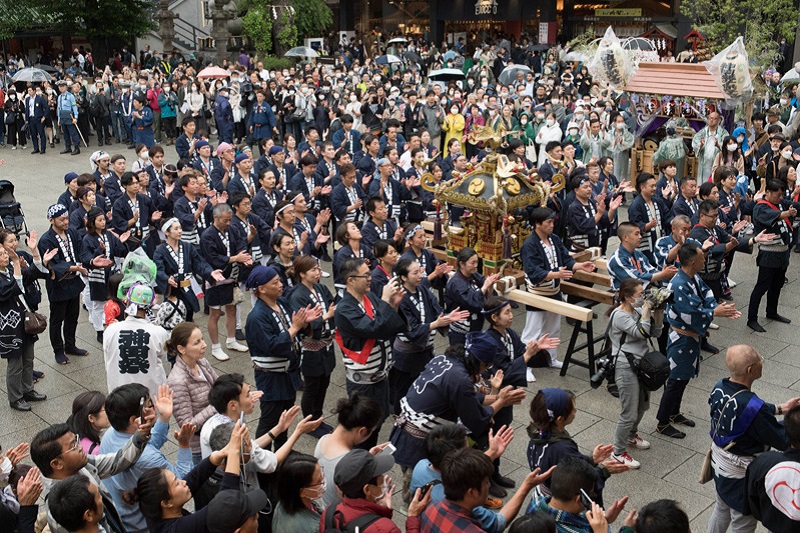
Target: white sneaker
[
  {"x": 713, "y": 326},
  {"x": 219, "y": 354},
  {"x": 556, "y": 364},
  {"x": 639, "y": 443},
  {"x": 325, "y": 274},
  {"x": 233, "y": 344},
  {"x": 626, "y": 459},
  {"x": 530, "y": 376},
  {"x": 731, "y": 283}
]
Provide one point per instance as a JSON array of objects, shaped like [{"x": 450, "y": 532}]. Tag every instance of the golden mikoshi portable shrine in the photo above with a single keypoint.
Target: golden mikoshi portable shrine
[{"x": 494, "y": 194}]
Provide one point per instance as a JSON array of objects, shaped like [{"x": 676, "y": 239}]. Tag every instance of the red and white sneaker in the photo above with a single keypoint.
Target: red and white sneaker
[
  {"x": 626, "y": 459},
  {"x": 639, "y": 443}
]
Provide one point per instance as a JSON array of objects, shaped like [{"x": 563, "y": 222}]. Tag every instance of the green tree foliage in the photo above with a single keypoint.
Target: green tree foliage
[
  {"x": 760, "y": 22},
  {"x": 257, "y": 24},
  {"x": 311, "y": 17},
  {"x": 125, "y": 19}
]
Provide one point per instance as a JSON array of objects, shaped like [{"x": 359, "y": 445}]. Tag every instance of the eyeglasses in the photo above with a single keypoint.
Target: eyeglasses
[
  {"x": 76, "y": 444},
  {"x": 365, "y": 276}
]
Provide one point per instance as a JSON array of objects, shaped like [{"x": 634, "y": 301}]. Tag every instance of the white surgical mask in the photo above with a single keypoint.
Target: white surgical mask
[
  {"x": 740, "y": 139},
  {"x": 539, "y": 116},
  {"x": 353, "y": 98},
  {"x": 579, "y": 117},
  {"x": 550, "y": 121},
  {"x": 638, "y": 302},
  {"x": 620, "y": 126},
  {"x": 787, "y": 154},
  {"x": 554, "y": 101},
  {"x": 523, "y": 120},
  {"x": 784, "y": 101},
  {"x": 732, "y": 147},
  {"x": 573, "y": 131},
  {"x": 12, "y": 96},
  {"x": 484, "y": 84},
  {"x": 6, "y": 467}
]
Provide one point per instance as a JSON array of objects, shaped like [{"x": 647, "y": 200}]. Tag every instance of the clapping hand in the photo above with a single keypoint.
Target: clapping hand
[
  {"x": 29, "y": 488},
  {"x": 18, "y": 453},
  {"x": 499, "y": 442},
  {"x": 184, "y": 435},
  {"x": 287, "y": 417}
]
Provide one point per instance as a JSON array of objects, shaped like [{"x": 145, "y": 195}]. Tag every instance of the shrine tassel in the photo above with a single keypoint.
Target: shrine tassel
[
  {"x": 506, "y": 240},
  {"x": 437, "y": 226}
]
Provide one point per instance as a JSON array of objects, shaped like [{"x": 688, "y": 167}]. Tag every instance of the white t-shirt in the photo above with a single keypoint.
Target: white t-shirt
[{"x": 134, "y": 352}]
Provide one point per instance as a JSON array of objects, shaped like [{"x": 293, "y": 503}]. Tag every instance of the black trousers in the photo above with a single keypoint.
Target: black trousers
[
  {"x": 715, "y": 285},
  {"x": 314, "y": 390},
  {"x": 270, "y": 416},
  {"x": 770, "y": 281},
  {"x": 671, "y": 399},
  {"x": 64, "y": 313},
  {"x": 102, "y": 126},
  {"x": 399, "y": 382},
  {"x": 378, "y": 392}
]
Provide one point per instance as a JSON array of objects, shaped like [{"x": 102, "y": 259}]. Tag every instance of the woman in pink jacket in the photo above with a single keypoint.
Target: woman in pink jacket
[{"x": 190, "y": 380}]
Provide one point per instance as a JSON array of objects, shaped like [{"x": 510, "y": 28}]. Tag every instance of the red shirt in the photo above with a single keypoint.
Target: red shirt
[
  {"x": 353, "y": 508},
  {"x": 152, "y": 99}
]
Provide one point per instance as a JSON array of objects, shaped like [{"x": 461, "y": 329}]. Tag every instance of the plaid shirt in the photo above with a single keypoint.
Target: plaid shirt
[{"x": 445, "y": 516}]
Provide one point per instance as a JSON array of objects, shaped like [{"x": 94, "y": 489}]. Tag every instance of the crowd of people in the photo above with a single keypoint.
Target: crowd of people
[{"x": 232, "y": 192}]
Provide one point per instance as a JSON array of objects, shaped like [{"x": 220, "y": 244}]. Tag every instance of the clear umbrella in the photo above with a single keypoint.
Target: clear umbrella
[
  {"x": 33, "y": 75},
  {"x": 509, "y": 73},
  {"x": 301, "y": 51}
]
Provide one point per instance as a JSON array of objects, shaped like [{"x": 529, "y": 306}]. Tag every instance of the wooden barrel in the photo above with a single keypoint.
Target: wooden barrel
[{"x": 647, "y": 162}]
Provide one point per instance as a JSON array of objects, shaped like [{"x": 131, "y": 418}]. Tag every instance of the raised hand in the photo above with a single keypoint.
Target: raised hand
[{"x": 163, "y": 402}]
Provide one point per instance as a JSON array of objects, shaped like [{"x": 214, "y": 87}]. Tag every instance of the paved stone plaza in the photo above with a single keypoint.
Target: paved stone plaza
[{"x": 669, "y": 469}]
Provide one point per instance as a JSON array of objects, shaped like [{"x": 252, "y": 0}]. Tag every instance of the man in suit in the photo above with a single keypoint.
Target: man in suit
[{"x": 36, "y": 109}]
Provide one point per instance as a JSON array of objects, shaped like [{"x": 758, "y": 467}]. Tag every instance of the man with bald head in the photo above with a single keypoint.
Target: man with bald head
[{"x": 742, "y": 426}]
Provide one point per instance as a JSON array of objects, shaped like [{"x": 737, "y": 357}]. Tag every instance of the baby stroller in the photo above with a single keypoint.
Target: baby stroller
[{"x": 11, "y": 215}]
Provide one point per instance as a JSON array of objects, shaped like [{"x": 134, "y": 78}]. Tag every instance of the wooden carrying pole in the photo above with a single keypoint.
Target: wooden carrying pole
[{"x": 576, "y": 312}]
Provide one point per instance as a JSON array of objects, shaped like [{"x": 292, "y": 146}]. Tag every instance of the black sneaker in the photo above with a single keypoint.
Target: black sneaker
[
  {"x": 755, "y": 326},
  {"x": 669, "y": 431},
  {"x": 240, "y": 335},
  {"x": 80, "y": 352},
  {"x": 503, "y": 481},
  {"x": 100, "y": 337},
  {"x": 496, "y": 490},
  {"x": 20, "y": 405},
  {"x": 680, "y": 419}
]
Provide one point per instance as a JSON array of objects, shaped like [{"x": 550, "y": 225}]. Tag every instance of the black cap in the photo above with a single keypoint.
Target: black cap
[
  {"x": 230, "y": 509},
  {"x": 358, "y": 467}
]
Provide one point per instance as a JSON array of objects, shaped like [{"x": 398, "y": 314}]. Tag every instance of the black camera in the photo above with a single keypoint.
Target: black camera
[{"x": 605, "y": 370}]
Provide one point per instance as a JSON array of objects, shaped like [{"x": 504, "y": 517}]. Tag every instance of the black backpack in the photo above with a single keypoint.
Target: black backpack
[{"x": 334, "y": 525}]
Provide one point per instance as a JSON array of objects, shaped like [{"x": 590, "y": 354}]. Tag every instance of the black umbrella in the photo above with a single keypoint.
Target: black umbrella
[{"x": 413, "y": 57}]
